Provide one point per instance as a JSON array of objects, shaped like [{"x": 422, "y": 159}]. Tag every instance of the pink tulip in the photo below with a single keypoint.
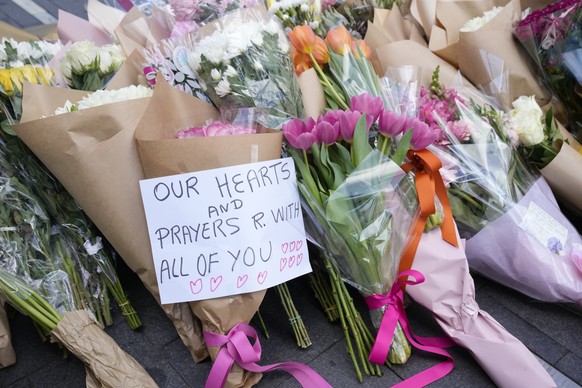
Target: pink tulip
[
  {"x": 326, "y": 132},
  {"x": 299, "y": 133},
  {"x": 368, "y": 104},
  {"x": 422, "y": 134},
  {"x": 347, "y": 124},
  {"x": 331, "y": 116},
  {"x": 391, "y": 124}
]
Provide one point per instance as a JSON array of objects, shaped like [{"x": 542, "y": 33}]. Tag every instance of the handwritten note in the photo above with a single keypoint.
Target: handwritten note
[{"x": 225, "y": 231}]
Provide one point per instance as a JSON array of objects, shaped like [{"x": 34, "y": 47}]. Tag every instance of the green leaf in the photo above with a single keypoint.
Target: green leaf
[
  {"x": 402, "y": 148},
  {"x": 360, "y": 146},
  {"x": 305, "y": 173}
]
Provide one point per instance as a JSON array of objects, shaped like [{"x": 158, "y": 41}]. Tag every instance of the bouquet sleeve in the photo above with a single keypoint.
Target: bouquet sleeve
[
  {"x": 7, "y": 355},
  {"x": 449, "y": 293},
  {"x": 99, "y": 165},
  {"x": 563, "y": 176},
  {"x": 163, "y": 154}
]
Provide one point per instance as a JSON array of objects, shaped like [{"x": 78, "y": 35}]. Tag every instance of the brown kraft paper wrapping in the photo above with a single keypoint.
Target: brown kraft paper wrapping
[
  {"x": 162, "y": 154},
  {"x": 563, "y": 176},
  {"x": 94, "y": 155},
  {"x": 109, "y": 365},
  {"x": 312, "y": 93},
  {"x": 7, "y": 355},
  {"x": 391, "y": 26},
  {"x": 496, "y": 41}
]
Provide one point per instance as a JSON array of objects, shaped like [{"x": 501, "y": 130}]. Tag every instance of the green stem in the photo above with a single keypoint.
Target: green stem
[{"x": 325, "y": 81}]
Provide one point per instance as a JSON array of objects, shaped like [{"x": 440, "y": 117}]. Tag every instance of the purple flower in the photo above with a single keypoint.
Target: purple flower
[
  {"x": 368, "y": 104},
  {"x": 347, "y": 124},
  {"x": 422, "y": 134},
  {"x": 331, "y": 116},
  {"x": 326, "y": 132},
  {"x": 299, "y": 133},
  {"x": 391, "y": 124},
  {"x": 555, "y": 245}
]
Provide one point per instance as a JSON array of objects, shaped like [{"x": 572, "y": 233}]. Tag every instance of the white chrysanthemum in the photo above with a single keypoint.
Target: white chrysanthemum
[
  {"x": 215, "y": 74},
  {"x": 479, "y": 21},
  {"x": 304, "y": 8},
  {"x": 314, "y": 24},
  {"x": 223, "y": 88},
  {"x": 3, "y": 56},
  {"x": 68, "y": 107},
  {"x": 527, "y": 118},
  {"x": 103, "y": 97},
  {"x": 230, "y": 71},
  {"x": 258, "y": 66},
  {"x": 48, "y": 48}
]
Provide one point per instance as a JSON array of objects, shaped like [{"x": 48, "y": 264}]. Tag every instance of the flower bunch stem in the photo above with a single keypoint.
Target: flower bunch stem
[
  {"x": 339, "y": 99},
  {"x": 323, "y": 293},
  {"x": 299, "y": 329}
]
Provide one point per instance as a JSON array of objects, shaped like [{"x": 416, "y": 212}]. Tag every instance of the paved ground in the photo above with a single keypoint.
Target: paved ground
[{"x": 551, "y": 332}]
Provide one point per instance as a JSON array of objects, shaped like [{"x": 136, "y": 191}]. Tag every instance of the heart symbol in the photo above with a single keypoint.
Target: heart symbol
[
  {"x": 215, "y": 282},
  {"x": 262, "y": 277},
  {"x": 196, "y": 287},
  {"x": 284, "y": 247},
  {"x": 299, "y": 259},
  {"x": 299, "y": 244},
  {"x": 292, "y": 246},
  {"x": 241, "y": 281},
  {"x": 291, "y": 261},
  {"x": 282, "y": 263}
]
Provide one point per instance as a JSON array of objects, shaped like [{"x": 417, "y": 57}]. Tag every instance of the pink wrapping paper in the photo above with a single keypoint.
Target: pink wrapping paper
[
  {"x": 449, "y": 293},
  {"x": 72, "y": 28},
  {"x": 506, "y": 253}
]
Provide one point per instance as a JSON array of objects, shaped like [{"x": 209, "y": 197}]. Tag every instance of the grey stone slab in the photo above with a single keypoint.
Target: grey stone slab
[
  {"x": 570, "y": 366},
  {"x": 560, "y": 379},
  {"x": 181, "y": 361},
  {"x": 20, "y": 17},
  {"x": 157, "y": 327},
  {"x": 75, "y": 7},
  {"x": 72, "y": 370},
  {"x": 551, "y": 319},
  {"x": 22, "y": 383},
  {"x": 534, "y": 339}
]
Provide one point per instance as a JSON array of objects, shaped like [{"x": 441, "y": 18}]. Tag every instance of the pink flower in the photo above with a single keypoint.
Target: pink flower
[
  {"x": 422, "y": 134},
  {"x": 331, "y": 116},
  {"x": 326, "y": 132},
  {"x": 459, "y": 129},
  {"x": 368, "y": 104},
  {"x": 391, "y": 124},
  {"x": 299, "y": 133},
  {"x": 190, "y": 132},
  {"x": 216, "y": 128},
  {"x": 347, "y": 124}
]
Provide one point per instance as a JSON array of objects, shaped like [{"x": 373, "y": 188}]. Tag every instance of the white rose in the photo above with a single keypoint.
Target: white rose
[
  {"x": 527, "y": 117},
  {"x": 65, "y": 68},
  {"x": 82, "y": 56}
]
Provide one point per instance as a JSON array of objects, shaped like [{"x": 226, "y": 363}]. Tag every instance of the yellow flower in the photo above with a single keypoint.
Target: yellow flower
[{"x": 11, "y": 79}]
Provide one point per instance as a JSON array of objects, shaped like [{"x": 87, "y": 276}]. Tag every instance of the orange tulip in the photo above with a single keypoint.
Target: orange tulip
[
  {"x": 303, "y": 39},
  {"x": 320, "y": 52},
  {"x": 339, "y": 39},
  {"x": 363, "y": 48},
  {"x": 301, "y": 62}
]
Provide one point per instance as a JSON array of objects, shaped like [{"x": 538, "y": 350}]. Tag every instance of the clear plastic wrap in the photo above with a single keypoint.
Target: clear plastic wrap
[
  {"x": 203, "y": 12},
  {"x": 243, "y": 60}
]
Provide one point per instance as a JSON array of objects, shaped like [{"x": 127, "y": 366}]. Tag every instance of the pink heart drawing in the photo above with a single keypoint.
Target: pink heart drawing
[
  {"x": 291, "y": 246},
  {"x": 282, "y": 264},
  {"x": 284, "y": 247},
  {"x": 299, "y": 259},
  {"x": 241, "y": 280},
  {"x": 215, "y": 282},
  {"x": 291, "y": 261},
  {"x": 299, "y": 244},
  {"x": 262, "y": 277},
  {"x": 196, "y": 287}
]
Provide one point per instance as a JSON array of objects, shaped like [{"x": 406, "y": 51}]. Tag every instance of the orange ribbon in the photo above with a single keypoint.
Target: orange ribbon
[{"x": 429, "y": 183}]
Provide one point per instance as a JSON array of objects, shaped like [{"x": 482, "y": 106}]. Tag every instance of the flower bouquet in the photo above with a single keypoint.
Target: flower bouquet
[
  {"x": 500, "y": 204},
  {"x": 167, "y": 147},
  {"x": 100, "y": 140},
  {"x": 552, "y": 37},
  {"x": 106, "y": 363},
  {"x": 242, "y": 60},
  {"x": 202, "y": 12},
  {"x": 356, "y": 197}
]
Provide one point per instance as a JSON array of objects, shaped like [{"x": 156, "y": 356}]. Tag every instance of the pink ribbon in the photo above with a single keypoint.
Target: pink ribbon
[
  {"x": 236, "y": 347},
  {"x": 150, "y": 74},
  {"x": 125, "y": 4},
  {"x": 394, "y": 313}
]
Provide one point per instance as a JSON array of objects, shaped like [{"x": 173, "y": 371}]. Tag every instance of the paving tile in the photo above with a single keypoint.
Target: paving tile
[
  {"x": 570, "y": 365},
  {"x": 72, "y": 369},
  {"x": 20, "y": 17},
  {"x": 181, "y": 361}
]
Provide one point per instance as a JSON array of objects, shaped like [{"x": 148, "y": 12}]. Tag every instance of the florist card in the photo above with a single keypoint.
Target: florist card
[{"x": 225, "y": 231}]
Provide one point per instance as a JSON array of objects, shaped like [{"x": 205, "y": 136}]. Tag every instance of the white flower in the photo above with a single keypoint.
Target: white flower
[
  {"x": 223, "y": 88},
  {"x": 528, "y": 120},
  {"x": 314, "y": 24},
  {"x": 103, "y": 97},
  {"x": 68, "y": 107},
  {"x": 215, "y": 74},
  {"x": 230, "y": 71},
  {"x": 81, "y": 56},
  {"x": 479, "y": 21},
  {"x": 258, "y": 66},
  {"x": 304, "y": 8}
]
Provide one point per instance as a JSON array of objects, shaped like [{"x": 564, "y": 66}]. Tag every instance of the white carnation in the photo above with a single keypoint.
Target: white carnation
[
  {"x": 103, "y": 97},
  {"x": 527, "y": 118},
  {"x": 479, "y": 21}
]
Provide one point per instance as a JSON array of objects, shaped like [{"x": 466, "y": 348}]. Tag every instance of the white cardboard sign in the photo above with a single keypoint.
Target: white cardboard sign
[{"x": 225, "y": 231}]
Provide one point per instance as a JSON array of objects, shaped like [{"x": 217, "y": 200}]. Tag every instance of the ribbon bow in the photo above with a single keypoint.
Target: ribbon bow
[
  {"x": 236, "y": 347},
  {"x": 393, "y": 301},
  {"x": 429, "y": 183}
]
